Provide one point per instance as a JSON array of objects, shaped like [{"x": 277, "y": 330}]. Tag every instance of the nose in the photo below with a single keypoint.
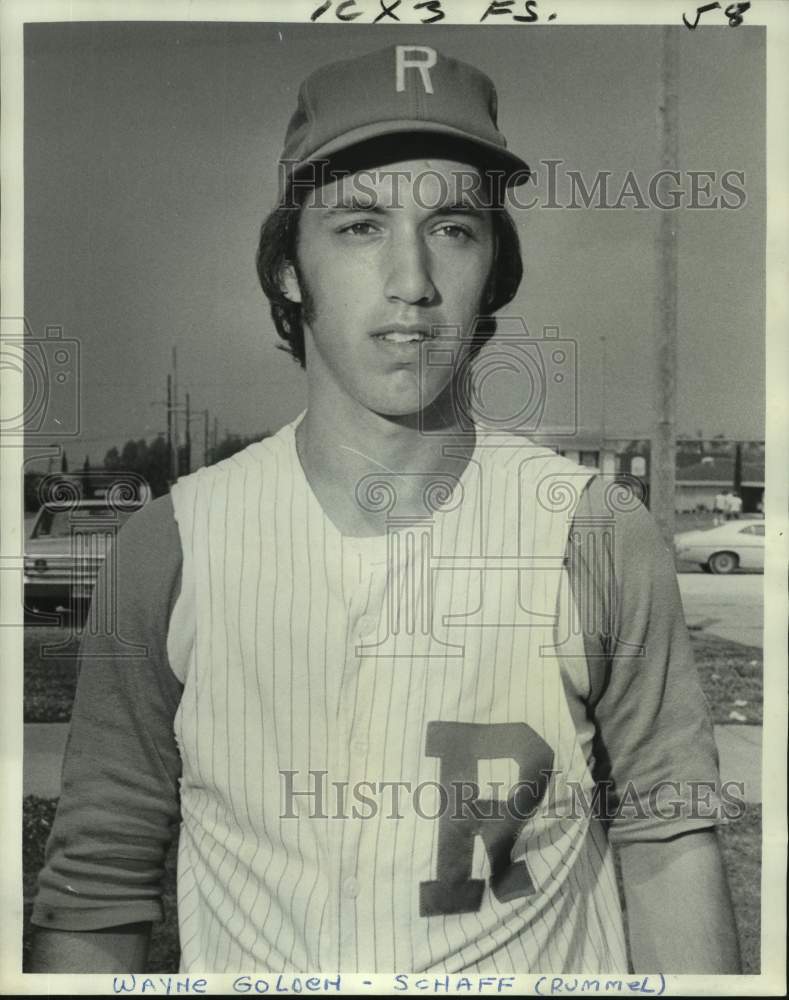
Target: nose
[{"x": 408, "y": 277}]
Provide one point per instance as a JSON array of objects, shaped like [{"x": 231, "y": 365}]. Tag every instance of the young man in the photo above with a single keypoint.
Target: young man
[{"x": 357, "y": 684}]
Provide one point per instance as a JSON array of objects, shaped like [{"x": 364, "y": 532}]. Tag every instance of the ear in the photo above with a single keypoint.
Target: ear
[{"x": 289, "y": 283}]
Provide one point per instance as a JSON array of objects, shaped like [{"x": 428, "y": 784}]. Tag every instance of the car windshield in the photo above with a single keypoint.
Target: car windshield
[{"x": 61, "y": 523}]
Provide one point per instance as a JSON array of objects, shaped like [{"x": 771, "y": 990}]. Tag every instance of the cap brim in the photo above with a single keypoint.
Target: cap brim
[{"x": 462, "y": 145}]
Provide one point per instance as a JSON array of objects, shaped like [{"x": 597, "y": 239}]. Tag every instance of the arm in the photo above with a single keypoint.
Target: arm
[
  {"x": 653, "y": 727},
  {"x": 679, "y": 910},
  {"x": 111, "y": 949},
  {"x": 100, "y": 887}
]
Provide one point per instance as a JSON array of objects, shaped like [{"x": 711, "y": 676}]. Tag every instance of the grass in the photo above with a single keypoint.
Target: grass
[
  {"x": 741, "y": 841},
  {"x": 701, "y": 520},
  {"x": 694, "y": 520},
  {"x": 50, "y": 678},
  {"x": 728, "y": 672}
]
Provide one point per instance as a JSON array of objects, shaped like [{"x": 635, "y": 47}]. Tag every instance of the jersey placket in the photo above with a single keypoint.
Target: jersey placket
[{"x": 367, "y": 570}]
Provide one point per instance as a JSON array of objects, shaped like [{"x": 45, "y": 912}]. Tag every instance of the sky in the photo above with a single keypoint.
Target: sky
[{"x": 150, "y": 163}]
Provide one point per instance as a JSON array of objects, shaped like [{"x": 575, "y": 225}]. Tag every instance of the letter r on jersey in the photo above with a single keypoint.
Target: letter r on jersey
[
  {"x": 460, "y": 745},
  {"x": 404, "y": 60}
]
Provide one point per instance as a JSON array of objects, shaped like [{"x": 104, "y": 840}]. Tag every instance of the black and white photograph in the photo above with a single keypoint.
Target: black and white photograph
[{"x": 394, "y": 501}]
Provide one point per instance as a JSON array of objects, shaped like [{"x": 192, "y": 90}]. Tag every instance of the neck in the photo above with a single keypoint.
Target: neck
[
  {"x": 336, "y": 434},
  {"x": 339, "y": 444}
]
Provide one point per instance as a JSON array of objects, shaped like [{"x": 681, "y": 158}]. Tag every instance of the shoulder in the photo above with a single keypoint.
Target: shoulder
[
  {"x": 152, "y": 525},
  {"x": 269, "y": 456},
  {"x": 548, "y": 485},
  {"x": 151, "y": 534},
  {"x": 520, "y": 454},
  {"x": 148, "y": 557},
  {"x": 617, "y": 505},
  {"x": 600, "y": 500}
]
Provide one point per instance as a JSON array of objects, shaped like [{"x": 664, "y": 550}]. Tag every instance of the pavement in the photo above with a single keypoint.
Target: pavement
[
  {"x": 739, "y": 746},
  {"x": 730, "y": 607}
]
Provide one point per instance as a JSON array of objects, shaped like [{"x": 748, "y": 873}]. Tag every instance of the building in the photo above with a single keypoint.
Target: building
[
  {"x": 700, "y": 481},
  {"x": 704, "y": 468}
]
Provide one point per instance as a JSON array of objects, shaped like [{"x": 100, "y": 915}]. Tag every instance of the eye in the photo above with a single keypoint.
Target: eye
[
  {"x": 359, "y": 229},
  {"x": 455, "y": 231}
]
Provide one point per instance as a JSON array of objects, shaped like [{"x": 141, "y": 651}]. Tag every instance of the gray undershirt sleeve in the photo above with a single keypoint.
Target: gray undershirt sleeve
[
  {"x": 119, "y": 809},
  {"x": 654, "y": 737}
]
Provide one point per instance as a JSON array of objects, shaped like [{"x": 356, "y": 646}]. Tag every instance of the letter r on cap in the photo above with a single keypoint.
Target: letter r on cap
[{"x": 406, "y": 61}]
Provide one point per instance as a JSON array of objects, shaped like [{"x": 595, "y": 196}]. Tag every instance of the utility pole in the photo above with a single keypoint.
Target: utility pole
[
  {"x": 662, "y": 477},
  {"x": 191, "y": 416},
  {"x": 603, "y": 391},
  {"x": 176, "y": 441},
  {"x": 188, "y": 445},
  {"x": 172, "y": 456},
  {"x": 173, "y": 450}
]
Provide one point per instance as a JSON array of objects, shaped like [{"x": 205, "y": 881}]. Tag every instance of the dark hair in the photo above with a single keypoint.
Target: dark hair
[{"x": 278, "y": 248}]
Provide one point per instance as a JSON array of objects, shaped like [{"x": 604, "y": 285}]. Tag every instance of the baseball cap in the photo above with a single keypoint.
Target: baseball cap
[{"x": 401, "y": 91}]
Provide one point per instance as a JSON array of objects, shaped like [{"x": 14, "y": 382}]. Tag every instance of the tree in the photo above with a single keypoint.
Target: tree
[
  {"x": 134, "y": 456},
  {"x": 151, "y": 459},
  {"x": 146, "y": 460},
  {"x": 86, "y": 484},
  {"x": 158, "y": 466},
  {"x": 233, "y": 443},
  {"x": 32, "y": 498}
]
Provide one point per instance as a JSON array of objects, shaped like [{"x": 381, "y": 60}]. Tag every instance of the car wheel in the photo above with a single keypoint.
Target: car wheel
[{"x": 723, "y": 562}]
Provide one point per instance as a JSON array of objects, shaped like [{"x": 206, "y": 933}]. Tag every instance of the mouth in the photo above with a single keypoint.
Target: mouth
[{"x": 402, "y": 333}]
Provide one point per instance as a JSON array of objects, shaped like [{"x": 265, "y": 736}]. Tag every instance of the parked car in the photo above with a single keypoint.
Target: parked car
[
  {"x": 66, "y": 548},
  {"x": 734, "y": 545}
]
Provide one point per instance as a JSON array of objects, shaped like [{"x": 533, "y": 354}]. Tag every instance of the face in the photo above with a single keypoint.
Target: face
[{"x": 385, "y": 257}]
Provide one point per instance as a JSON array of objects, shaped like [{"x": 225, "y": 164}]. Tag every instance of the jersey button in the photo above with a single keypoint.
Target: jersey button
[
  {"x": 350, "y": 888},
  {"x": 359, "y": 746}
]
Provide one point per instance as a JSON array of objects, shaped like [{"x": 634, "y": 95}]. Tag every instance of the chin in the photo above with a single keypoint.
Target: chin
[
  {"x": 411, "y": 402},
  {"x": 396, "y": 409}
]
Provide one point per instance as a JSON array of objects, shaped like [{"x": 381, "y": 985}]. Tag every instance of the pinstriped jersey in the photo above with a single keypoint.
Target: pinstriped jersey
[{"x": 383, "y": 743}]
